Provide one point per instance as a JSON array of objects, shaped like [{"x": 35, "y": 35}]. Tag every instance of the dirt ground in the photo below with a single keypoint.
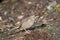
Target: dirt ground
[{"x": 12, "y": 12}]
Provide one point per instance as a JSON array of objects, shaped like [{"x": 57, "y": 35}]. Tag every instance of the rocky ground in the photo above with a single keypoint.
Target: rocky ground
[{"x": 14, "y": 12}]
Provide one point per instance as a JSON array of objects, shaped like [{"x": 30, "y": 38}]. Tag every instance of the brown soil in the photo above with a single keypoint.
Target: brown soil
[{"x": 10, "y": 10}]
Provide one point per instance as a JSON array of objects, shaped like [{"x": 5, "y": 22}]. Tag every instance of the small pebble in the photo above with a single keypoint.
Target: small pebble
[
  {"x": 20, "y": 17},
  {"x": 5, "y": 13},
  {"x": 29, "y": 2},
  {"x": 17, "y": 23},
  {"x": 2, "y": 38},
  {"x": 0, "y": 18},
  {"x": 44, "y": 21},
  {"x": 11, "y": 19},
  {"x": 38, "y": 5}
]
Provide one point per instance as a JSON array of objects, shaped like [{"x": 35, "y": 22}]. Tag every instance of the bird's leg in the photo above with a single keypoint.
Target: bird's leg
[{"x": 27, "y": 31}]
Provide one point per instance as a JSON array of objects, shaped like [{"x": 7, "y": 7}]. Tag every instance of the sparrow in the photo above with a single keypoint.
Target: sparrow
[{"x": 28, "y": 22}]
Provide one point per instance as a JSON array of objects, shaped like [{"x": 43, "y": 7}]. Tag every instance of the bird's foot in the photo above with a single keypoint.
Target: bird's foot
[{"x": 28, "y": 32}]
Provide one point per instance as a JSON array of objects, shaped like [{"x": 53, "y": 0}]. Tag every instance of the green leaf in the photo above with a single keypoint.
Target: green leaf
[
  {"x": 49, "y": 27},
  {"x": 58, "y": 9}
]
